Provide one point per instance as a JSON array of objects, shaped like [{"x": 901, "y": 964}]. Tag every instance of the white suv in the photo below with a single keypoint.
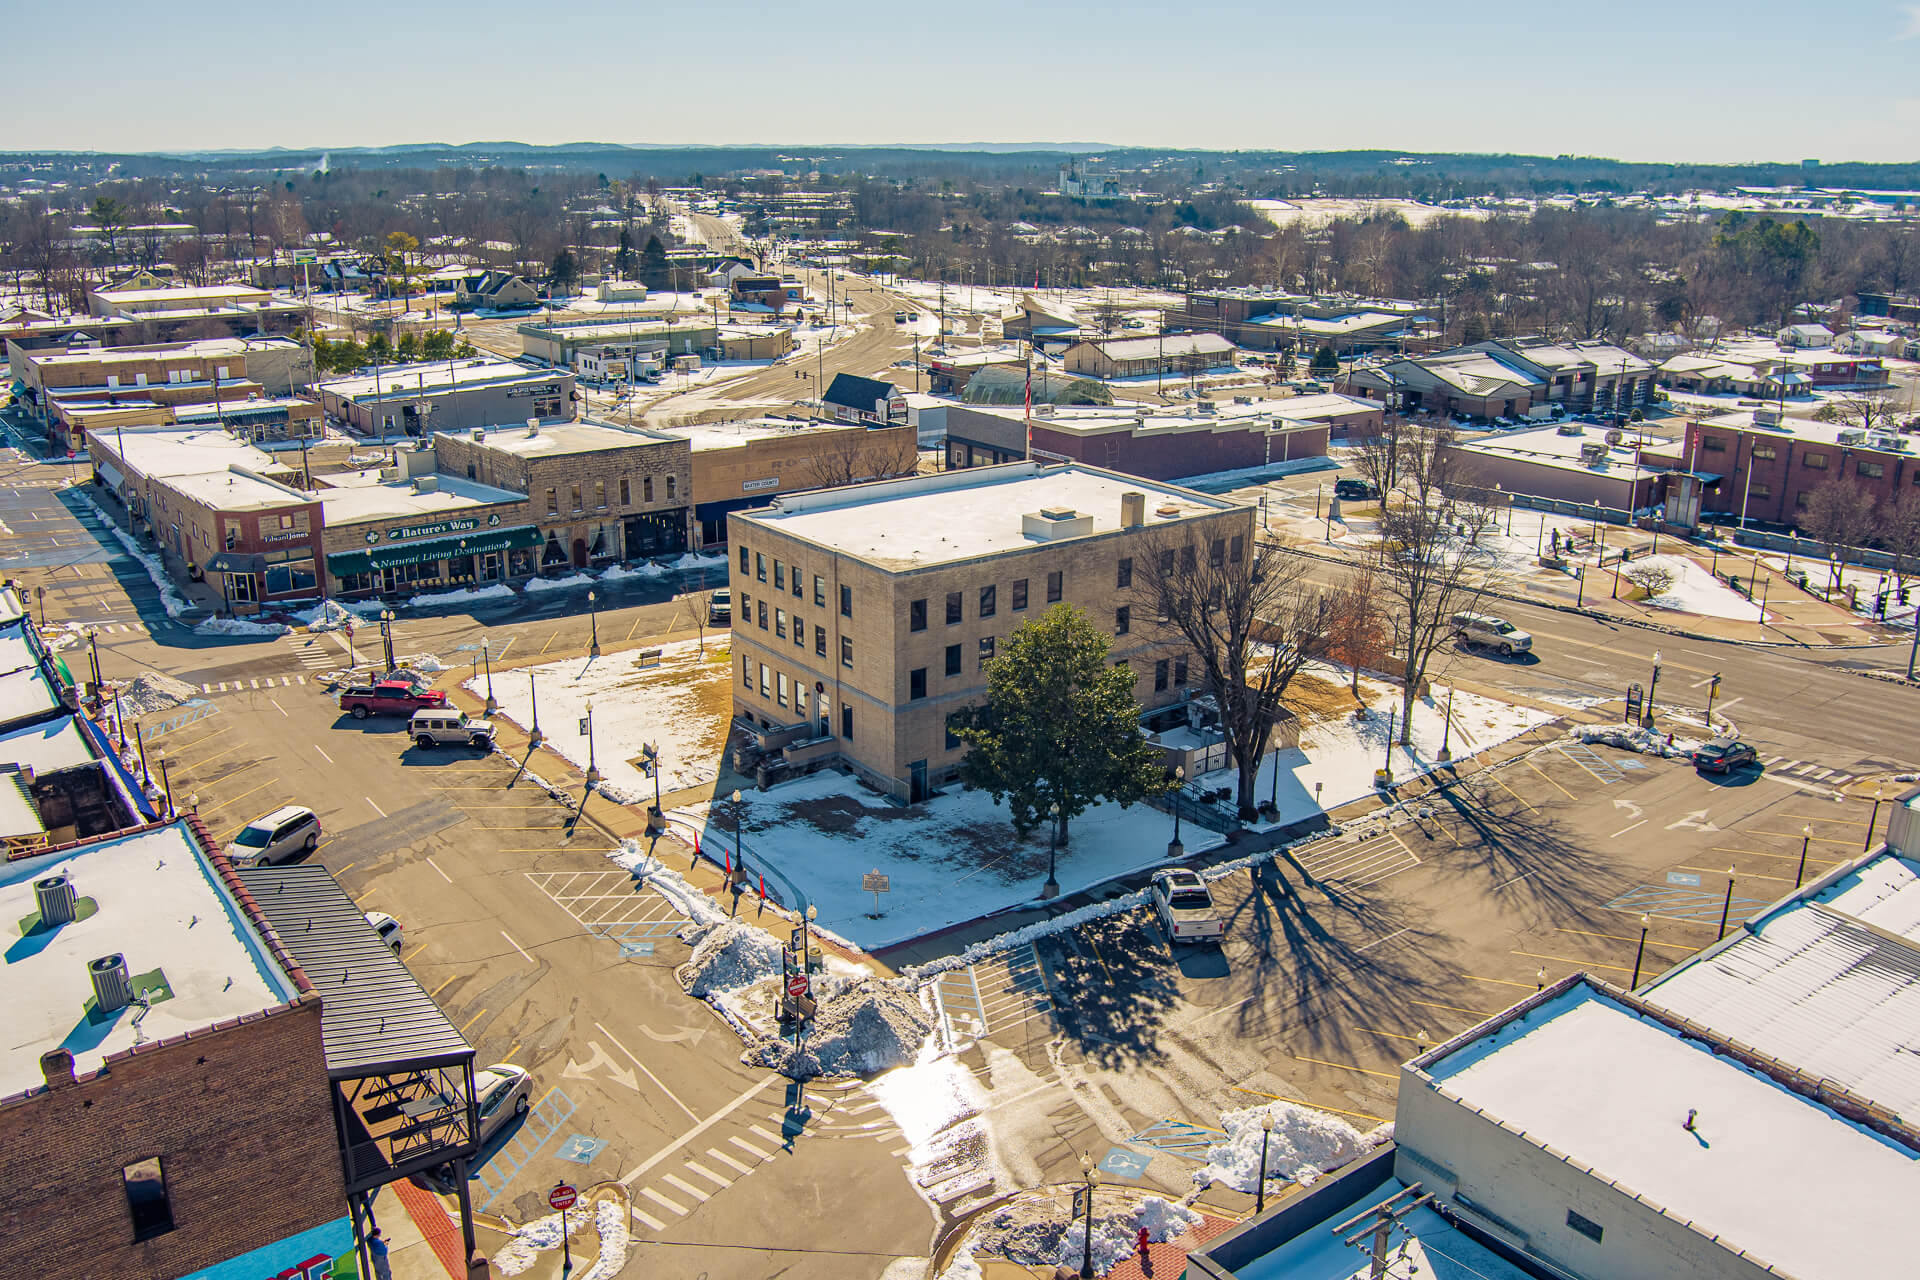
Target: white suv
[
  {"x": 1493, "y": 633},
  {"x": 433, "y": 727},
  {"x": 277, "y": 835}
]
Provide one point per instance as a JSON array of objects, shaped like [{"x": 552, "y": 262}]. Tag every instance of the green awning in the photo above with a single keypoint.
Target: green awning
[{"x": 466, "y": 544}]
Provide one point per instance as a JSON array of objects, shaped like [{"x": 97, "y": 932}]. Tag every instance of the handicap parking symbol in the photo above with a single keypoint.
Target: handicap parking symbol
[
  {"x": 1683, "y": 877},
  {"x": 580, "y": 1149},
  {"x": 628, "y": 950},
  {"x": 1124, "y": 1163}
]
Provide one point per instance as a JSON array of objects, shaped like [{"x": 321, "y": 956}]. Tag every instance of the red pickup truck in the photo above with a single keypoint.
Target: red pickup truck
[{"x": 389, "y": 698}]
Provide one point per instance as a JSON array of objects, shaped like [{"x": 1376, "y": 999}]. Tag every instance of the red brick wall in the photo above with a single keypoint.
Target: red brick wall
[
  {"x": 241, "y": 1120},
  {"x": 1167, "y": 456},
  {"x": 1786, "y": 475}
]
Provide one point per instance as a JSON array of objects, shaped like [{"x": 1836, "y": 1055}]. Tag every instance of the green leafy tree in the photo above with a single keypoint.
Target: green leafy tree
[
  {"x": 403, "y": 267},
  {"x": 379, "y": 349},
  {"x": 1060, "y": 729},
  {"x": 1325, "y": 363},
  {"x": 1288, "y": 364},
  {"x": 437, "y": 345},
  {"x": 408, "y": 346}
]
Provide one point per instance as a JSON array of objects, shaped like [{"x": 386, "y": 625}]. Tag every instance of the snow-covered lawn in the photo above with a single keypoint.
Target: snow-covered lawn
[
  {"x": 683, "y": 705},
  {"x": 1694, "y": 590}
]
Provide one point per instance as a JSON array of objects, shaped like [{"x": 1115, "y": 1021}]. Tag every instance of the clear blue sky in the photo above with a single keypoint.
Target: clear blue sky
[{"x": 1705, "y": 80}]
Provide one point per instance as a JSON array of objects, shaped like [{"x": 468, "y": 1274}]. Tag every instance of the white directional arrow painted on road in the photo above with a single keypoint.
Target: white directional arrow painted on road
[
  {"x": 1629, "y": 806},
  {"x": 600, "y": 1060},
  {"x": 1695, "y": 821},
  {"x": 693, "y": 1034}
]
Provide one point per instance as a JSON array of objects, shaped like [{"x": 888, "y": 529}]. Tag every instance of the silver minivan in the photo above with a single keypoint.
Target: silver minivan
[
  {"x": 287, "y": 830},
  {"x": 432, "y": 727},
  {"x": 1490, "y": 632}
]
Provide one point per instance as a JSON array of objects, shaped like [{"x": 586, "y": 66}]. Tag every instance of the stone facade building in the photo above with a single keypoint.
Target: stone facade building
[{"x": 865, "y": 617}]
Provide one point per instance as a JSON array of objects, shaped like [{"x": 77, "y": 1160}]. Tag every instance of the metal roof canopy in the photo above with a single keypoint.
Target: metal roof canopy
[{"x": 375, "y": 1016}]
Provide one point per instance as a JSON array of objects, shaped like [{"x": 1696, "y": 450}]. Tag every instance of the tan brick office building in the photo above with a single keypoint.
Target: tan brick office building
[
  {"x": 601, "y": 493},
  {"x": 865, "y": 617}
]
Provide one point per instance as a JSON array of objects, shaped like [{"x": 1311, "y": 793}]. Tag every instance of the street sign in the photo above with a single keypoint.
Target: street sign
[
  {"x": 562, "y": 1197},
  {"x": 874, "y": 882},
  {"x": 797, "y": 940},
  {"x": 584, "y": 722},
  {"x": 1634, "y": 694},
  {"x": 797, "y": 985}
]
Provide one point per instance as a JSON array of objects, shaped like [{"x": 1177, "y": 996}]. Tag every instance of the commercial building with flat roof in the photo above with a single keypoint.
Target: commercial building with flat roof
[
  {"x": 1159, "y": 443},
  {"x": 663, "y": 332},
  {"x": 416, "y": 400},
  {"x": 164, "y": 1066},
  {"x": 865, "y": 617}
]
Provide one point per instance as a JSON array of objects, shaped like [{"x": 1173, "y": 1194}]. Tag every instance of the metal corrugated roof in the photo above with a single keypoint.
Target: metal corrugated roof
[
  {"x": 1834, "y": 997},
  {"x": 1883, "y": 891},
  {"x": 375, "y": 1017}
]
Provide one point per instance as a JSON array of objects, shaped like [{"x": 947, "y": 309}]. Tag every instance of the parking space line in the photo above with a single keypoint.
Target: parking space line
[
  {"x": 1795, "y": 835},
  {"x": 1744, "y": 875},
  {"x": 517, "y": 947},
  {"x": 1498, "y": 782},
  {"x": 242, "y": 796},
  {"x": 1791, "y": 857},
  {"x": 1614, "y": 937},
  {"x": 1280, "y": 1097},
  {"x": 1550, "y": 782},
  {"x": 1578, "y": 964},
  {"x": 1347, "y": 1066},
  {"x": 1793, "y": 817},
  {"x": 1391, "y": 1035},
  {"x": 1474, "y": 977},
  {"x": 1452, "y": 1008}
]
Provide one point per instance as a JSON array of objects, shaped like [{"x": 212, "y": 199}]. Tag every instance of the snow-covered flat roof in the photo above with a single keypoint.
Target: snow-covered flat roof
[
  {"x": 11, "y": 607},
  {"x": 162, "y": 452},
  {"x": 1794, "y": 428},
  {"x": 1765, "y": 1171},
  {"x": 1428, "y": 1245},
  {"x": 52, "y": 744},
  {"x": 1547, "y": 447},
  {"x": 15, "y": 653},
  {"x": 154, "y": 898},
  {"x": 966, "y": 514},
  {"x": 705, "y": 436},
  {"x": 402, "y": 380},
  {"x": 235, "y": 490},
  {"x": 363, "y": 495},
  {"x": 26, "y": 695},
  {"x": 1883, "y": 891},
  {"x": 548, "y": 441},
  {"x": 184, "y": 294}
]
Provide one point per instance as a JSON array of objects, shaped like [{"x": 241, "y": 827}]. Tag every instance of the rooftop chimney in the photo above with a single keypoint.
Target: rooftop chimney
[
  {"x": 57, "y": 1066},
  {"x": 1133, "y": 509}
]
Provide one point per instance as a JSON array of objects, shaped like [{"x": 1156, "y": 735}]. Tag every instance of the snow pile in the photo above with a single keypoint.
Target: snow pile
[
  {"x": 727, "y": 956},
  {"x": 1042, "y": 1233},
  {"x": 328, "y": 615},
  {"x": 606, "y": 1218},
  {"x": 1631, "y": 737},
  {"x": 150, "y": 691},
  {"x": 861, "y": 1025},
  {"x": 560, "y": 584},
  {"x": 666, "y": 882},
  {"x": 1027, "y": 933},
  {"x": 461, "y": 595},
  {"x": 961, "y": 1265},
  {"x": 425, "y": 663},
  {"x": 241, "y": 627},
  {"x": 620, "y": 573},
  {"x": 1304, "y": 1144},
  {"x": 75, "y": 634}
]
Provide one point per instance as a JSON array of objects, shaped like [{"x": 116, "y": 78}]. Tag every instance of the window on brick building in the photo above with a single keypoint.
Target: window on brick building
[
  {"x": 743, "y": 560},
  {"x": 1760, "y": 491},
  {"x": 1764, "y": 453},
  {"x": 846, "y": 602},
  {"x": 672, "y": 483},
  {"x": 746, "y": 672},
  {"x": 1871, "y": 470},
  {"x": 917, "y": 615},
  {"x": 953, "y": 607},
  {"x": 1056, "y": 586},
  {"x": 799, "y": 632},
  {"x": 553, "y": 502},
  {"x": 763, "y": 615},
  {"x": 146, "y": 1185},
  {"x": 1166, "y": 563},
  {"x": 797, "y": 579},
  {"x": 1186, "y": 559},
  {"x": 1217, "y": 553},
  {"x": 846, "y": 652},
  {"x": 1713, "y": 444},
  {"x": 986, "y": 651},
  {"x": 779, "y": 576},
  {"x": 1160, "y": 676},
  {"x": 780, "y": 623},
  {"x": 1800, "y": 500},
  {"x": 846, "y": 723},
  {"x": 987, "y": 605},
  {"x": 1019, "y": 594},
  {"x": 820, "y": 641},
  {"x": 954, "y": 660},
  {"x": 1814, "y": 461},
  {"x": 573, "y": 493},
  {"x": 1122, "y": 620},
  {"x": 764, "y": 683},
  {"x": 780, "y": 696},
  {"x": 1236, "y": 549},
  {"x": 600, "y": 494},
  {"x": 626, "y": 492},
  {"x": 819, "y": 591},
  {"x": 1124, "y": 578},
  {"x": 1180, "y": 672},
  {"x": 646, "y": 489},
  {"x": 759, "y": 566},
  {"x": 916, "y": 684}
]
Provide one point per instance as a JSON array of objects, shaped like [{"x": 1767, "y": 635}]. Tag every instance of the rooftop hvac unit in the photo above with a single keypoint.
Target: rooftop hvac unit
[
  {"x": 1765, "y": 417},
  {"x": 533, "y": 427},
  {"x": 1206, "y": 408},
  {"x": 1243, "y": 399},
  {"x": 111, "y": 987},
  {"x": 479, "y": 433},
  {"x": 55, "y": 897},
  {"x": 426, "y": 484},
  {"x": 1571, "y": 429},
  {"x": 389, "y": 474},
  {"x": 1851, "y": 437}
]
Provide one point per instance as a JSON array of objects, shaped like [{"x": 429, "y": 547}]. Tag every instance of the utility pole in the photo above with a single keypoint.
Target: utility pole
[{"x": 1376, "y": 1226}]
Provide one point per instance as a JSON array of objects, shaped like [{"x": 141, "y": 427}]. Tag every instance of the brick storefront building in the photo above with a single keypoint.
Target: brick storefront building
[
  {"x": 1159, "y": 444},
  {"x": 1766, "y": 466}
]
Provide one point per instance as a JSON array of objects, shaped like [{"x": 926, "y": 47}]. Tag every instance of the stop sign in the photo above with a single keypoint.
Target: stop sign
[
  {"x": 562, "y": 1197},
  {"x": 796, "y": 985}
]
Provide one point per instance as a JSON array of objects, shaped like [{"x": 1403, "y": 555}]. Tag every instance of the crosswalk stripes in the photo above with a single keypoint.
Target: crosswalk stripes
[
  {"x": 678, "y": 1194},
  {"x": 315, "y": 653},
  {"x": 1808, "y": 770},
  {"x": 261, "y": 683}
]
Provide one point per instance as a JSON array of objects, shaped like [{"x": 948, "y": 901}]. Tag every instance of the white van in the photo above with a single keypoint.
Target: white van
[
  {"x": 430, "y": 728},
  {"x": 277, "y": 835}
]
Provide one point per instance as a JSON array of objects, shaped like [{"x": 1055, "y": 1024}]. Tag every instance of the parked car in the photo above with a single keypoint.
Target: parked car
[
  {"x": 720, "y": 607},
  {"x": 1724, "y": 755},
  {"x": 274, "y": 836},
  {"x": 388, "y": 928},
  {"x": 431, "y": 728},
  {"x": 901, "y": 317},
  {"x": 1493, "y": 633},
  {"x": 1185, "y": 907},
  {"x": 1351, "y": 489},
  {"x": 389, "y": 698},
  {"x": 500, "y": 1092}
]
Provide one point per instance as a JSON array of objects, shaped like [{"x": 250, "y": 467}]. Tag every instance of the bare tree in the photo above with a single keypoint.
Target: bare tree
[
  {"x": 1866, "y": 410},
  {"x": 1653, "y": 579},
  {"x": 1899, "y": 535},
  {"x": 1250, "y": 616},
  {"x": 1839, "y": 516},
  {"x": 1427, "y": 563},
  {"x": 695, "y": 606},
  {"x": 855, "y": 455},
  {"x": 1359, "y": 635}
]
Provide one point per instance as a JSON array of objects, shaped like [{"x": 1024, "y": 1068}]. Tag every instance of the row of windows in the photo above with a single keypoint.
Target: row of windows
[
  {"x": 1167, "y": 672},
  {"x": 784, "y": 691},
  {"x": 1811, "y": 460},
  {"x": 756, "y": 612},
  {"x": 757, "y": 564},
  {"x": 600, "y": 493}
]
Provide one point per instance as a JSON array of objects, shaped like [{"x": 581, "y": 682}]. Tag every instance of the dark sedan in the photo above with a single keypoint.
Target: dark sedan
[
  {"x": 1347, "y": 490},
  {"x": 1724, "y": 755}
]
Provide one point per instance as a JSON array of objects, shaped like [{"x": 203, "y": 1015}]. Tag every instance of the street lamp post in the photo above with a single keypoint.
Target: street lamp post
[
  {"x": 1726, "y": 908},
  {"x": 1641, "y": 953},
  {"x": 1051, "y": 889},
  {"x": 1174, "y": 848},
  {"x": 1806, "y": 838},
  {"x": 486, "y": 657},
  {"x": 1871, "y": 819},
  {"x": 593, "y": 608},
  {"x": 1653, "y": 685},
  {"x": 386, "y": 634},
  {"x": 1713, "y": 687},
  {"x": 534, "y": 736},
  {"x": 1260, "y": 1189},
  {"x": 1446, "y": 730},
  {"x": 166, "y": 785},
  {"x": 739, "y": 850},
  {"x": 1086, "y": 1256},
  {"x": 593, "y": 769}
]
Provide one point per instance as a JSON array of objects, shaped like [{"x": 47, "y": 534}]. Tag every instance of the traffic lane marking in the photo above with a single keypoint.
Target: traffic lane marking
[
  {"x": 629, "y": 1178},
  {"x": 1578, "y": 964},
  {"x": 1550, "y": 782},
  {"x": 1347, "y": 1066}
]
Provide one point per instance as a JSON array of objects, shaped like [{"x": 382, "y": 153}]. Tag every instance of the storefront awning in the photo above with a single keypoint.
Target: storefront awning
[
  {"x": 467, "y": 544},
  {"x": 110, "y": 474},
  {"x": 236, "y": 562}
]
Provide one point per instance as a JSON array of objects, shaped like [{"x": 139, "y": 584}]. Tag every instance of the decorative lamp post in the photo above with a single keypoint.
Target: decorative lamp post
[
  {"x": 1872, "y": 818},
  {"x": 1806, "y": 838},
  {"x": 1051, "y": 889},
  {"x": 806, "y": 941},
  {"x": 1713, "y": 687},
  {"x": 1726, "y": 908},
  {"x": 1174, "y": 848},
  {"x": 386, "y": 634},
  {"x": 739, "y": 850},
  {"x": 593, "y": 608},
  {"x": 1446, "y": 731},
  {"x": 1260, "y": 1189},
  {"x": 1540, "y": 978},
  {"x": 1640, "y": 953},
  {"x": 1086, "y": 1256},
  {"x": 1646, "y": 713},
  {"x": 534, "y": 736},
  {"x": 166, "y": 784},
  {"x": 593, "y": 769},
  {"x": 486, "y": 657}
]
